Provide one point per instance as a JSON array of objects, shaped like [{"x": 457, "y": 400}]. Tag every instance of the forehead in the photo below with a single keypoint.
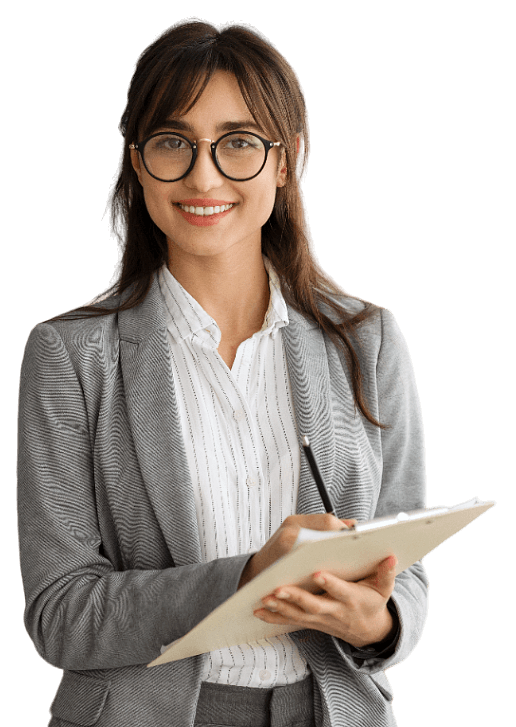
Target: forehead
[{"x": 218, "y": 107}]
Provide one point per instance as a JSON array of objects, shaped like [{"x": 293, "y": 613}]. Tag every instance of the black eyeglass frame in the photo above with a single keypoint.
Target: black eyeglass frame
[{"x": 268, "y": 145}]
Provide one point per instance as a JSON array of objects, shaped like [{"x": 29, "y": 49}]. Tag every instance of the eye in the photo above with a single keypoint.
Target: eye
[
  {"x": 237, "y": 143},
  {"x": 241, "y": 143},
  {"x": 168, "y": 143}
]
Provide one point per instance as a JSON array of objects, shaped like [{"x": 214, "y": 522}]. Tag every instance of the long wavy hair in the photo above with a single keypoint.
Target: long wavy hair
[{"x": 170, "y": 76}]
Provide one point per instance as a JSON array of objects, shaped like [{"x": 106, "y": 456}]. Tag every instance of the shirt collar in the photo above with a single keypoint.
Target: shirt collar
[{"x": 187, "y": 317}]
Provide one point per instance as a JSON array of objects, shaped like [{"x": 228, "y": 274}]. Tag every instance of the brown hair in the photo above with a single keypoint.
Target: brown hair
[{"x": 170, "y": 76}]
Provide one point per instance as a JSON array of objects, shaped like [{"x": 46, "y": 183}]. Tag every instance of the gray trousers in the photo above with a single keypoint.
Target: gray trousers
[{"x": 222, "y": 705}]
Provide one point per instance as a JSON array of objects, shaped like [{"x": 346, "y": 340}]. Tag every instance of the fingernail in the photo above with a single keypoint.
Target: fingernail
[
  {"x": 282, "y": 594},
  {"x": 319, "y": 579}
]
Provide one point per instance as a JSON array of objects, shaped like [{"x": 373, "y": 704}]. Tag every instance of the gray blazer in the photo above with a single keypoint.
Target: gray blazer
[{"x": 109, "y": 543}]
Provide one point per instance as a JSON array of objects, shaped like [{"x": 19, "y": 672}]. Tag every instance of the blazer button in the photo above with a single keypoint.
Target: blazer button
[
  {"x": 238, "y": 415},
  {"x": 265, "y": 674}
]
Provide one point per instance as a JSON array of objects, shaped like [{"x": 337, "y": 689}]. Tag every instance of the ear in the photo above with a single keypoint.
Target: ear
[
  {"x": 136, "y": 162},
  {"x": 282, "y": 174}
]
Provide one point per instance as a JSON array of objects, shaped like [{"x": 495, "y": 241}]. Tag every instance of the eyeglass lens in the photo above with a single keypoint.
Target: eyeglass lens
[{"x": 239, "y": 155}]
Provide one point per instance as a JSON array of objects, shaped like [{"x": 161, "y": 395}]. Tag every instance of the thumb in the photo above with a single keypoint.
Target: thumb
[
  {"x": 390, "y": 563},
  {"x": 382, "y": 578}
]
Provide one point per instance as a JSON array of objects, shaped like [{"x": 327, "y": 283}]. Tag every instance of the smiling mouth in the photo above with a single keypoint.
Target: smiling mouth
[{"x": 204, "y": 211}]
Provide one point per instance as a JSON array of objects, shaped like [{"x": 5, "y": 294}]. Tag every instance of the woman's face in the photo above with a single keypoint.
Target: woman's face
[{"x": 237, "y": 230}]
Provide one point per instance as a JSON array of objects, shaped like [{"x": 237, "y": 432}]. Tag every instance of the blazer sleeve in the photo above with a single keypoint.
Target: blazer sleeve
[
  {"x": 80, "y": 612},
  {"x": 402, "y": 488}
]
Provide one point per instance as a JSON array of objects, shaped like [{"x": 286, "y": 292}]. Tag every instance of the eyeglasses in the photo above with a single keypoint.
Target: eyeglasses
[{"x": 239, "y": 155}]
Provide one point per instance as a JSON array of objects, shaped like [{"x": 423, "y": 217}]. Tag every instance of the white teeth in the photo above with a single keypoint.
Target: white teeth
[{"x": 205, "y": 211}]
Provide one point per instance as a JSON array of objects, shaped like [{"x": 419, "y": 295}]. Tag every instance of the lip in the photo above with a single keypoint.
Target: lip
[{"x": 204, "y": 202}]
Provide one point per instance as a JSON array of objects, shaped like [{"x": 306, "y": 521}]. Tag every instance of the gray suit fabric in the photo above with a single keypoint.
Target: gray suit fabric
[{"x": 109, "y": 542}]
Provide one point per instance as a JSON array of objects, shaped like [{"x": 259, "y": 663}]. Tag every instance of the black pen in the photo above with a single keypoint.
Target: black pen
[{"x": 317, "y": 476}]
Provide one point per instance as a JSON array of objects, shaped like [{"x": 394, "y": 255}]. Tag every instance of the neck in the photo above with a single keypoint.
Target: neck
[{"x": 233, "y": 290}]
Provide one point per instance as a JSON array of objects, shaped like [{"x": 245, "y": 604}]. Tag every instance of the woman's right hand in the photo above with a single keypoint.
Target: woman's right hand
[{"x": 284, "y": 538}]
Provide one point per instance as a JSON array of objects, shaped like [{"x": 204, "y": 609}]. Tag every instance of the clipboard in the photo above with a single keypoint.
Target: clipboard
[{"x": 349, "y": 554}]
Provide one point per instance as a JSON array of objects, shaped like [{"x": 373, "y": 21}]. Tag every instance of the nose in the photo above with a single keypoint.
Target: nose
[{"x": 204, "y": 175}]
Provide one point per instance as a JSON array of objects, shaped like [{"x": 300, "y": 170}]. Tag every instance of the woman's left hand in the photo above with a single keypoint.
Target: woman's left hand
[{"x": 354, "y": 612}]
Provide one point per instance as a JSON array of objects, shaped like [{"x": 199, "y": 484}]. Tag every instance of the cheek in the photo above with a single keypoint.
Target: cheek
[
  {"x": 264, "y": 198},
  {"x": 157, "y": 205}
]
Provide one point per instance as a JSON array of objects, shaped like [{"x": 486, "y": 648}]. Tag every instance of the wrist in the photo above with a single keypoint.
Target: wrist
[
  {"x": 384, "y": 630},
  {"x": 388, "y": 631}
]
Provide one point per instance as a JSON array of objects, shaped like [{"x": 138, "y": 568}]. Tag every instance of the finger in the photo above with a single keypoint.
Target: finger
[
  {"x": 280, "y": 610},
  {"x": 382, "y": 579},
  {"x": 387, "y": 568},
  {"x": 336, "y": 588},
  {"x": 315, "y": 521},
  {"x": 349, "y": 523},
  {"x": 297, "y": 602},
  {"x": 392, "y": 561},
  {"x": 271, "y": 617}
]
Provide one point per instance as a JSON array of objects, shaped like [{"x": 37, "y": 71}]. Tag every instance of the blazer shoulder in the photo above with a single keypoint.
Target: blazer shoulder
[
  {"x": 366, "y": 316},
  {"x": 379, "y": 339},
  {"x": 86, "y": 342},
  {"x": 89, "y": 328}
]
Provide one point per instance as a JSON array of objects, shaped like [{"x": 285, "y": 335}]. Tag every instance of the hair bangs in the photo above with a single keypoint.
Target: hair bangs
[{"x": 177, "y": 92}]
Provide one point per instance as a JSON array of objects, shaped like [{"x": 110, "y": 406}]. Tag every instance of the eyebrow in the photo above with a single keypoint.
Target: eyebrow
[{"x": 179, "y": 125}]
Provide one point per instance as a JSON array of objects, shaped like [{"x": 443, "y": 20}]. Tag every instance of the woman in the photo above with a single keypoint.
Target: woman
[{"x": 159, "y": 459}]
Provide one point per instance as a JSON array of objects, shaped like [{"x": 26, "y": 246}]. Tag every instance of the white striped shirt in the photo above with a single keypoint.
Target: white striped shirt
[{"x": 243, "y": 453}]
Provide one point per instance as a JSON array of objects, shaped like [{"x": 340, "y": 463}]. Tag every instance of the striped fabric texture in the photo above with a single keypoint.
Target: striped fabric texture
[
  {"x": 110, "y": 551},
  {"x": 242, "y": 449}
]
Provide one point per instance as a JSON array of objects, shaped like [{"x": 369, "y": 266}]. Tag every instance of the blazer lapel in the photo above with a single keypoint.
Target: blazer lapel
[
  {"x": 310, "y": 383},
  {"x": 156, "y": 425}
]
